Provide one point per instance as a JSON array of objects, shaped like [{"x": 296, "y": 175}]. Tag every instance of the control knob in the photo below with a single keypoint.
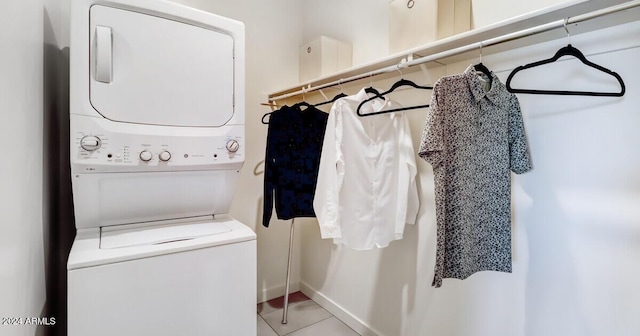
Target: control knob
[
  {"x": 145, "y": 155},
  {"x": 164, "y": 156},
  {"x": 233, "y": 145},
  {"x": 90, "y": 143}
]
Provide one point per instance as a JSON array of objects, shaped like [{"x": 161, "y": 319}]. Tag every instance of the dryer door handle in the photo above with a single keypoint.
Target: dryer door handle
[{"x": 103, "y": 54}]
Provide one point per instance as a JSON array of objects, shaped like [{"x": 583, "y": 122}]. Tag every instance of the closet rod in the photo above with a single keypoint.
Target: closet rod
[{"x": 469, "y": 47}]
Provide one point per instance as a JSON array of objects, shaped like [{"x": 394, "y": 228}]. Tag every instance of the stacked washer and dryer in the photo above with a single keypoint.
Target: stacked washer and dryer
[{"x": 157, "y": 142}]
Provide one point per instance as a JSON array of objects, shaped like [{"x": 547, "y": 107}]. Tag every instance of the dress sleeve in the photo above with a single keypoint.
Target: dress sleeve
[
  {"x": 519, "y": 157},
  {"x": 326, "y": 202},
  {"x": 412, "y": 200},
  {"x": 432, "y": 141}
]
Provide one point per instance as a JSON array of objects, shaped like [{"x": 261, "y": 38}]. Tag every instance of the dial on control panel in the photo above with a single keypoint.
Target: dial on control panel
[
  {"x": 90, "y": 143},
  {"x": 233, "y": 146},
  {"x": 164, "y": 156},
  {"x": 145, "y": 155}
]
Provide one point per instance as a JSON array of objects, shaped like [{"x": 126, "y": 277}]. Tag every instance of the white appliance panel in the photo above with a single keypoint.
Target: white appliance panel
[
  {"x": 158, "y": 234},
  {"x": 121, "y": 198},
  {"x": 209, "y": 291},
  {"x": 140, "y": 66},
  {"x": 87, "y": 251},
  {"x": 121, "y": 145}
]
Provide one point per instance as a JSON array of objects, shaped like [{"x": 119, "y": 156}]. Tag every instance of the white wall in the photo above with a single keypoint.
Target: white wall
[
  {"x": 576, "y": 223},
  {"x": 485, "y": 12},
  {"x": 273, "y": 34},
  {"x": 22, "y": 275},
  {"x": 363, "y": 23}
]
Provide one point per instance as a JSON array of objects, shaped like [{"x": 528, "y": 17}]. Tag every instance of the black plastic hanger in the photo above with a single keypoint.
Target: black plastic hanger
[
  {"x": 295, "y": 106},
  {"x": 378, "y": 95},
  {"x": 482, "y": 68},
  {"x": 372, "y": 90},
  {"x": 569, "y": 50},
  {"x": 302, "y": 104},
  {"x": 268, "y": 114},
  {"x": 338, "y": 96}
]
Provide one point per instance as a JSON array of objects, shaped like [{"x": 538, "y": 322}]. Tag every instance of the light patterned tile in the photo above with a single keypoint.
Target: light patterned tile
[
  {"x": 300, "y": 315},
  {"x": 264, "y": 329},
  {"x": 331, "y": 326}
]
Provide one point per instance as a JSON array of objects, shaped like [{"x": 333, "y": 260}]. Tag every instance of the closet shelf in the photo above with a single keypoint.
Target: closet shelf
[{"x": 537, "y": 26}]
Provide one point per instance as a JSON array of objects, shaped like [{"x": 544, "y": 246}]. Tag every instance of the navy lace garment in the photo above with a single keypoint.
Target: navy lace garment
[{"x": 294, "y": 143}]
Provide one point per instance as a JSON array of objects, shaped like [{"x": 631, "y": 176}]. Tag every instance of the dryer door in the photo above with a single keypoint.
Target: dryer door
[{"x": 152, "y": 70}]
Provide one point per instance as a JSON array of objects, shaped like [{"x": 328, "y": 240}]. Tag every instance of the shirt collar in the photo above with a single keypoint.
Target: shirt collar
[{"x": 498, "y": 93}]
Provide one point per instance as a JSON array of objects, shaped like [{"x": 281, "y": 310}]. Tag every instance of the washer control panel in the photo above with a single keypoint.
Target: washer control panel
[{"x": 97, "y": 150}]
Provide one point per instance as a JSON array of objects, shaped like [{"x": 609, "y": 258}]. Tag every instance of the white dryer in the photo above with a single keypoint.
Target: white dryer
[{"x": 157, "y": 142}]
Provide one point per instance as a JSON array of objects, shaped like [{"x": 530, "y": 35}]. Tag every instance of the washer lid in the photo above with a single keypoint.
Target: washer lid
[
  {"x": 152, "y": 235},
  {"x": 86, "y": 251},
  {"x": 152, "y": 70}
]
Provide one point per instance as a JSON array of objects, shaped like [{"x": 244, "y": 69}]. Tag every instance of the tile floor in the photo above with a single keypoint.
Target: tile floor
[{"x": 304, "y": 318}]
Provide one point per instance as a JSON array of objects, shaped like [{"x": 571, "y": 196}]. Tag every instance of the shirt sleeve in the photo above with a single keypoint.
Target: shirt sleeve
[
  {"x": 326, "y": 201},
  {"x": 270, "y": 169},
  {"x": 519, "y": 157},
  {"x": 432, "y": 141}
]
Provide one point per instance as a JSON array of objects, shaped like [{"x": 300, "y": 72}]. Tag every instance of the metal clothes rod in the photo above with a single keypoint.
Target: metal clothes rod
[
  {"x": 469, "y": 47},
  {"x": 285, "y": 307}
]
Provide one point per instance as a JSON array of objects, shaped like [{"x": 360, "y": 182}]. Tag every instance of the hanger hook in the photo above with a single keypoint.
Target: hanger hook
[
  {"x": 480, "y": 52},
  {"x": 304, "y": 91},
  {"x": 371, "y": 79},
  {"x": 340, "y": 85},
  {"x": 566, "y": 21},
  {"x": 400, "y": 71}
]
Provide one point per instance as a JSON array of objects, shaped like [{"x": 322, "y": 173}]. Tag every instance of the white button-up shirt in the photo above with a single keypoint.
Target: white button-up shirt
[{"x": 366, "y": 188}]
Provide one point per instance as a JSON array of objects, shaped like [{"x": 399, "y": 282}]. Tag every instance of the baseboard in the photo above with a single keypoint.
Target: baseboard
[
  {"x": 277, "y": 291},
  {"x": 342, "y": 314}
]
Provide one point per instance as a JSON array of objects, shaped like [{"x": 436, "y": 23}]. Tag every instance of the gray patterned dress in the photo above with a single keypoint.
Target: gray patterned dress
[{"x": 473, "y": 138}]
